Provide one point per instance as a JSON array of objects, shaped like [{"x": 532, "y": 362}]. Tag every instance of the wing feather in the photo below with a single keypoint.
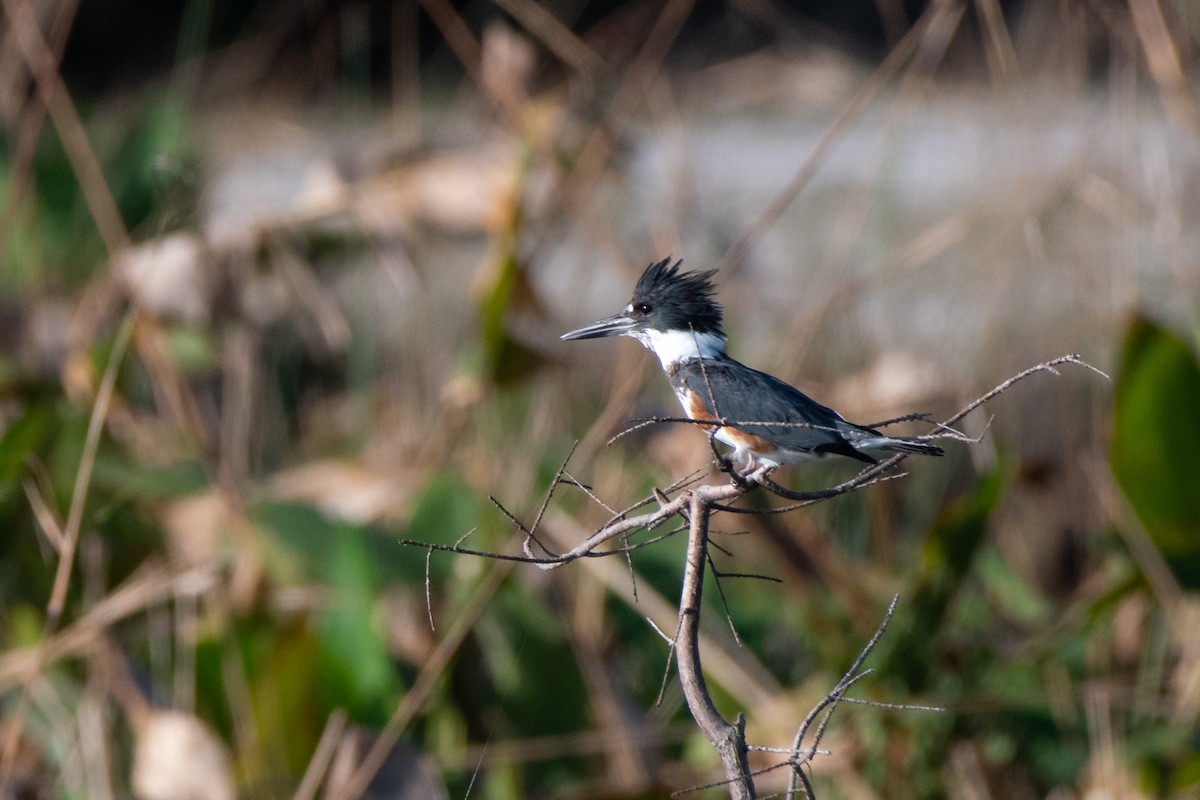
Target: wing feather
[{"x": 747, "y": 396}]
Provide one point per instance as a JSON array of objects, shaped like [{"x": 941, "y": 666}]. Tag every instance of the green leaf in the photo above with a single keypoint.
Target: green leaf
[
  {"x": 356, "y": 669},
  {"x": 445, "y": 509},
  {"x": 1013, "y": 594},
  {"x": 142, "y": 481},
  {"x": 1156, "y": 443},
  {"x": 25, "y": 435},
  {"x": 281, "y": 665},
  {"x": 305, "y": 535}
]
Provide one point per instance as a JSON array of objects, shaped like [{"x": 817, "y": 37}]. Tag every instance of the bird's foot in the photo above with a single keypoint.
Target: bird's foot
[
  {"x": 726, "y": 465},
  {"x": 744, "y": 476},
  {"x": 754, "y": 474}
]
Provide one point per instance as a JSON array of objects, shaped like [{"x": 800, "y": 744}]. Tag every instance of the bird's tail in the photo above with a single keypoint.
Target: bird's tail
[
  {"x": 868, "y": 439},
  {"x": 904, "y": 445}
]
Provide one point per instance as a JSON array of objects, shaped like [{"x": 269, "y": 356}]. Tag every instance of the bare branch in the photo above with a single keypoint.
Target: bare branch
[
  {"x": 858, "y": 701},
  {"x": 916, "y": 417},
  {"x": 852, "y": 675},
  {"x": 809, "y": 502},
  {"x": 728, "y": 739},
  {"x": 695, "y": 503},
  {"x": 1045, "y": 366}
]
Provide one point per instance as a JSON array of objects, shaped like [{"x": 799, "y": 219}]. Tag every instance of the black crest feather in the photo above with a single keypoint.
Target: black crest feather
[{"x": 675, "y": 300}]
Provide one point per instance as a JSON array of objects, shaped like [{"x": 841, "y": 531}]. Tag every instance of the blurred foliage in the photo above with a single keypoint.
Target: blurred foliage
[
  {"x": 148, "y": 158},
  {"x": 946, "y": 559},
  {"x": 266, "y": 457},
  {"x": 1156, "y": 432}
]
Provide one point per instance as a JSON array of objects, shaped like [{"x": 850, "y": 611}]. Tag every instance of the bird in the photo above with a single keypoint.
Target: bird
[{"x": 766, "y": 421}]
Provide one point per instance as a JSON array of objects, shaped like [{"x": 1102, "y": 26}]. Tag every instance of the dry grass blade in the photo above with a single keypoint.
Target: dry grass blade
[
  {"x": 69, "y": 538},
  {"x": 49, "y": 523},
  {"x": 1162, "y": 56},
  {"x": 42, "y": 63},
  {"x": 558, "y": 38},
  {"x": 83, "y": 475},
  {"x": 149, "y": 586},
  {"x": 846, "y": 120},
  {"x": 318, "y": 765}
]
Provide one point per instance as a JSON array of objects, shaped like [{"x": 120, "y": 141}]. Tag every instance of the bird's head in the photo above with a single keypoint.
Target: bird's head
[{"x": 672, "y": 312}]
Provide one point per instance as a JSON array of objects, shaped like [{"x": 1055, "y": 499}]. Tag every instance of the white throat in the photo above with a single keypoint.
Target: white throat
[{"x": 674, "y": 347}]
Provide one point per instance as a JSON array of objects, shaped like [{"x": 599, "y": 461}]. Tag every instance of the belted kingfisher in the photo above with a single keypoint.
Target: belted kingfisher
[{"x": 766, "y": 421}]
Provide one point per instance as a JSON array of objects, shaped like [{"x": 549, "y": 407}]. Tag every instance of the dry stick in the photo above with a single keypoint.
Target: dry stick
[
  {"x": 1001, "y": 55},
  {"x": 531, "y": 534},
  {"x": 720, "y": 496},
  {"x": 646, "y": 63},
  {"x": 577, "y": 191},
  {"x": 1164, "y": 62},
  {"x": 638, "y": 423},
  {"x": 750, "y": 684},
  {"x": 728, "y": 739},
  {"x": 852, "y": 219},
  {"x": 457, "y": 35},
  {"x": 849, "y": 486}
]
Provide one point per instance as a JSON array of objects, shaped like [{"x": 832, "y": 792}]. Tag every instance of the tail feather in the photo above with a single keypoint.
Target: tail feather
[
  {"x": 867, "y": 439},
  {"x": 902, "y": 445}
]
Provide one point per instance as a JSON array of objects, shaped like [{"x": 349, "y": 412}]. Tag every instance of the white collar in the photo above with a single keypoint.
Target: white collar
[{"x": 674, "y": 347}]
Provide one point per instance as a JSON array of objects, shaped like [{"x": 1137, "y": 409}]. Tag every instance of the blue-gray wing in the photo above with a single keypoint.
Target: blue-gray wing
[{"x": 753, "y": 399}]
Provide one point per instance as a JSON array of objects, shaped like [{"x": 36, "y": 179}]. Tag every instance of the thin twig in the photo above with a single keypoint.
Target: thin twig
[
  {"x": 831, "y": 700},
  {"x": 721, "y": 593},
  {"x": 428, "y": 593},
  {"x": 1045, "y": 366}
]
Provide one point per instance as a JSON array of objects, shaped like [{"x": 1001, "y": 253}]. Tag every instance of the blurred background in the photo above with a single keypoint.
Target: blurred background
[{"x": 281, "y": 285}]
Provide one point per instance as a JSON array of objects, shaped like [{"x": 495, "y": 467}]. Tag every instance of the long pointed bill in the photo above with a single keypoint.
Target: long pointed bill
[{"x": 610, "y": 326}]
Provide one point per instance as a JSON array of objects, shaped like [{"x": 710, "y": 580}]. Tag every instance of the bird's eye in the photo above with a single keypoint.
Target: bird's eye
[{"x": 642, "y": 308}]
